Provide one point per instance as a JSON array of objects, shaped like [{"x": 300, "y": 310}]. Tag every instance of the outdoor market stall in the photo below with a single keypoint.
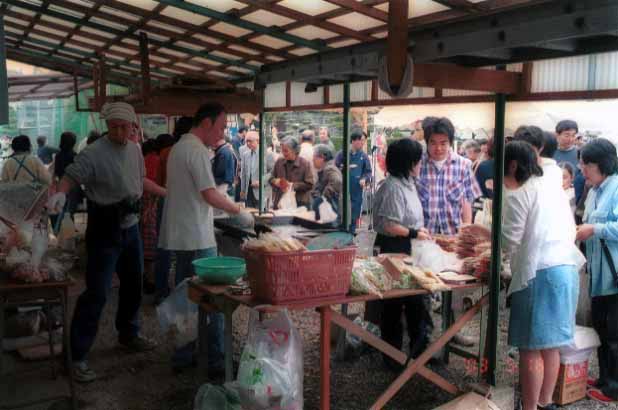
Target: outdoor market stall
[{"x": 285, "y": 274}]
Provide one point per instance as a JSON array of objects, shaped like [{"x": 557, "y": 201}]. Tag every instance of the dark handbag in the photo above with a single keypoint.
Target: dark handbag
[{"x": 610, "y": 261}]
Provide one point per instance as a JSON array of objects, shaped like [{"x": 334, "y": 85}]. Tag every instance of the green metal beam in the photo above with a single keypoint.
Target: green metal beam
[
  {"x": 346, "y": 215},
  {"x": 121, "y": 34},
  {"x": 4, "y": 83},
  {"x": 62, "y": 64},
  {"x": 82, "y": 53},
  {"x": 237, "y": 21},
  {"x": 496, "y": 231},
  {"x": 262, "y": 154}
]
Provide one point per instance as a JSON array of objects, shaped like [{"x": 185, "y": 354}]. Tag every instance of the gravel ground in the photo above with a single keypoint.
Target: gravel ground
[{"x": 146, "y": 382}]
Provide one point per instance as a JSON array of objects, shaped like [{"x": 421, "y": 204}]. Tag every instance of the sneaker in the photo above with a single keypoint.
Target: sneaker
[
  {"x": 138, "y": 344},
  {"x": 82, "y": 373},
  {"x": 550, "y": 406},
  {"x": 463, "y": 340},
  {"x": 598, "y": 396}
]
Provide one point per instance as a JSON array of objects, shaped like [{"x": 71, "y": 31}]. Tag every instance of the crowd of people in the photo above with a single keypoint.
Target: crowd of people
[{"x": 152, "y": 201}]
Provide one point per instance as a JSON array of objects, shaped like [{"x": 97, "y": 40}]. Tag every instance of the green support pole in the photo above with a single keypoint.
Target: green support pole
[
  {"x": 261, "y": 152},
  {"x": 346, "y": 216},
  {"x": 496, "y": 229},
  {"x": 4, "y": 83}
]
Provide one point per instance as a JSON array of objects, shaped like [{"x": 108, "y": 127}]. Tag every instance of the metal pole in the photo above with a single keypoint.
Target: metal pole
[
  {"x": 4, "y": 84},
  {"x": 261, "y": 152},
  {"x": 346, "y": 216},
  {"x": 496, "y": 230}
]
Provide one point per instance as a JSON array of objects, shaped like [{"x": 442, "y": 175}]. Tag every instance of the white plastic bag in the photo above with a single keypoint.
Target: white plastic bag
[
  {"x": 429, "y": 255},
  {"x": 288, "y": 200},
  {"x": 179, "y": 315},
  {"x": 327, "y": 213},
  {"x": 270, "y": 375}
]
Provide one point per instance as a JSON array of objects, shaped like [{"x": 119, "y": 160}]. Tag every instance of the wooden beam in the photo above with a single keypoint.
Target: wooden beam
[
  {"x": 397, "y": 42},
  {"x": 288, "y": 94},
  {"x": 326, "y": 98},
  {"x": 353, "y": 5},
  {"x": 143, "y": 45},
  {"x": 526, "y": 78}
]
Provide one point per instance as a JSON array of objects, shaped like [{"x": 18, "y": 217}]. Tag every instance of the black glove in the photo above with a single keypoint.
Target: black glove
[{"x": 413, "y": 233}]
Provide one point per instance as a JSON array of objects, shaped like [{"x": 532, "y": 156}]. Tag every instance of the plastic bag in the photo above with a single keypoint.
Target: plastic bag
[
  {"x": 270, "y": 375},
  {"x": 369, "y": 277},
  {"x": 288, "y": 200},
  {"x": 327, "y": 213},
  {"x": 211, "y": 397},
  {"x": 179, "y": 315},
  {"x": 428, "y": 255}
]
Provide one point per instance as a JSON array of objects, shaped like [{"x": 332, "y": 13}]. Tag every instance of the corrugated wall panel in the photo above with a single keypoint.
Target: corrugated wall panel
[
  {"x": 300, "y": 97},
  {"x": 275, "y": 95},
  {"x": 360, "y": 91},
  {"x": 447, "y": 92},
  {"x": 563, "y": 74},
  {"x": 606, "y": 75},
  {"x": 417, "y": 92},
  {"x": 335, "y": 94}
]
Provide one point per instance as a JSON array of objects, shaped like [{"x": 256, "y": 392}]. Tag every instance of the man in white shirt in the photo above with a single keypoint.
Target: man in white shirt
[
  {"x": 250, "y": 171},
  {"x": 187, "y": 227}
]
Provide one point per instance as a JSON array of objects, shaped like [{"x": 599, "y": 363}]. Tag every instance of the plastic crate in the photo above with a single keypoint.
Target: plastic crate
[{"x": 280, "y": 277}]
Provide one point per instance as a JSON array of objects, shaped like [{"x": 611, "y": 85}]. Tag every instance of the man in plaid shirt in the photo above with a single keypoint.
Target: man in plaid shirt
[
  {"x": 446, "y": 187},
  {"x": 446, "y": 184}
]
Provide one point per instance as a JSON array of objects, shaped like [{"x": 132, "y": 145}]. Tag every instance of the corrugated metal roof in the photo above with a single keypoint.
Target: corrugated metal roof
[{"x": 562, "y": 74}]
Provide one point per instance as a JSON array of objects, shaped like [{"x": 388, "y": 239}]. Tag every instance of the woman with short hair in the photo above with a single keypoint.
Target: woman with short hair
[
  {"x": 538, "y": 235},
  {"x": 291, "y": 171},
  {"x": 599, "y": 165},
  {"x": 398, "y": 218},
  {"x": 22, "y": 166},
  {"x": 329, "y": 181}
]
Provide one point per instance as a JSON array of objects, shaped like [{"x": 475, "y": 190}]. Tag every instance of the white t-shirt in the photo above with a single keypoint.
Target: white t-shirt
[
  {"x": 187, "y": 222},
  {"x": 551, "y": 171},
  {"x": 538, "y": 230}
]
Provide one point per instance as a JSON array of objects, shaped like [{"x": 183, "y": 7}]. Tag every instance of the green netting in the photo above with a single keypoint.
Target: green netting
[{"x": 52, "y": 117}]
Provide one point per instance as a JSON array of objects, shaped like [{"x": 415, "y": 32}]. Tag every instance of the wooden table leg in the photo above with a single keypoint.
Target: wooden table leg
[
  {"x": 228, "y": 311},
  {"x": 415, "y": 366},
  {"x": 325, "y": 316}
]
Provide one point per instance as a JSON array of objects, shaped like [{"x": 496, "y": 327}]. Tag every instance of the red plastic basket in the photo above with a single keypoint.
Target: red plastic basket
[{"x": 279, "y": 277}]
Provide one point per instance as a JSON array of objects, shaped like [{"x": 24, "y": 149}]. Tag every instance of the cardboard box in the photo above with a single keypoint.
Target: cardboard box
[
  {"x": 469, "y": 401},
  {"x": 573, "y": 373},
  {"x": 571, "y": 385}
]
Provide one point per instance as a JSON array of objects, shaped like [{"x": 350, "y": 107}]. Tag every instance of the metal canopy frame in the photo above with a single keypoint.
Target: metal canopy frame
[{"x": 320, "y": 46}]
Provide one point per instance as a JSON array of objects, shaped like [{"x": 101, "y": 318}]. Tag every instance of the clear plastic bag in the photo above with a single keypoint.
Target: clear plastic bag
[
  {"x": 270, "y": 375},
  {"x": 327, "y": 213},
  {"x": 179, "y": 315},
  {"x": 428, "y": 255},
  {"x": 288, "y": 200},
  {"x": 211, "y": 397}
]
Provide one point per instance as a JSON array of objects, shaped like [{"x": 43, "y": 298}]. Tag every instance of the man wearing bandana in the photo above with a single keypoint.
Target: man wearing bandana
[{"x": 112, "y": 170}]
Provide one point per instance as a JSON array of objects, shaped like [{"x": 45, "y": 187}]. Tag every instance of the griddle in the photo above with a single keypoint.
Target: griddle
[{"x": 228, "y": 228}]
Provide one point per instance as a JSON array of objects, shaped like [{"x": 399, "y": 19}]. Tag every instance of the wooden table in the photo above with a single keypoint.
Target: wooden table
[
  {"x": 46, "y": 294},
  {"x": 217, "y": 298}
]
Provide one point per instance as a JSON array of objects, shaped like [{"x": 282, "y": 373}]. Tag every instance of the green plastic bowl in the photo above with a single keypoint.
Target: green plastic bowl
[{"x": 220, "y": 270}]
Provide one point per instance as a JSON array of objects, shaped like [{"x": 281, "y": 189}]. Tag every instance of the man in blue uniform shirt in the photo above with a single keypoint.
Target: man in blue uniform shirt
[{"x": 360, "y": 173}]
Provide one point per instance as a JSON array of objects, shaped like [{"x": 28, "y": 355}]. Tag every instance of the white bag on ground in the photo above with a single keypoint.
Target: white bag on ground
[
  {"x": 327, "y": 213},
  {"x": 179, "y": 315},
  {"x": 270, "y": 375},
  {"x": 288, "y": 200}
]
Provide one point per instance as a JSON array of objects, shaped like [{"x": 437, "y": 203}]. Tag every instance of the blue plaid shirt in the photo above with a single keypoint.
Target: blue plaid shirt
[{"x": 442, "y": 192}]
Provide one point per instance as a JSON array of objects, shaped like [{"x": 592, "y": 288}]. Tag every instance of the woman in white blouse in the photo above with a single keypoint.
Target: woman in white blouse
[{"x": 538, "y": 234}]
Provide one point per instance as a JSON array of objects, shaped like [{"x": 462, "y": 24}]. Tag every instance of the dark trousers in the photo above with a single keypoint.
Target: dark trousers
[
  {"x": 420, "y": 324},
  {"x": 126, "y": 258},
  {"x": 605, "y": 322},
  {"x": 252, "y": 201},
  {"x": 416, "y": 308}
]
